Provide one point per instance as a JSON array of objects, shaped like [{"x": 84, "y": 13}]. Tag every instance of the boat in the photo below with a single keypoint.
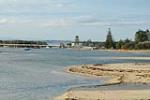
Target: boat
[
  {"x": 27, "y": 49},
  {"x": 47, "y": 47}
]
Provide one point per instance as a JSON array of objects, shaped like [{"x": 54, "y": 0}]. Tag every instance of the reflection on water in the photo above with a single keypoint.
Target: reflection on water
[{"x": 38, "y": 74}]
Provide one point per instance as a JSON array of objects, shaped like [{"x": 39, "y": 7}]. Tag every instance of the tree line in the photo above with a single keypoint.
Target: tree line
[{"x": 141, "y": 41}]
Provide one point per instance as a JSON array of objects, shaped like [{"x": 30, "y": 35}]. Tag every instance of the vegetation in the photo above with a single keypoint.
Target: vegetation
[
  {"x": 96, "y": 44},
  {"x": 126, "y": 44},
  {"x": 141, "y": 41},
  {"x": 143, "y": 45},
  {"x": 109, "y": 44},
  {"x": 141, "y": 36},
  {"x": 119, "y": 44}
]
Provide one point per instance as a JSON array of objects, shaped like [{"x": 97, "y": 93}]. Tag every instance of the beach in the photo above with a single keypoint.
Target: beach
[
  {"x": 107, "y": 95},
  {"x": 124, "y": 50},
  {"x": 123, "y": 73}
]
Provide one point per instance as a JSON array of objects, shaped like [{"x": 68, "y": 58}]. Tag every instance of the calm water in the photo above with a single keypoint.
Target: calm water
[{"x": 38, "y": 74}]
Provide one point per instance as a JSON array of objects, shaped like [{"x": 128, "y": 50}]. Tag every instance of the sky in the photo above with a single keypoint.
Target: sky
[{"x": 63, "y": 19}]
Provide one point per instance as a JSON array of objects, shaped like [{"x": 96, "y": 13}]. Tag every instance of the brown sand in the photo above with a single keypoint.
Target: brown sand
[
  {"x": 120, "y": 73},
  {"x": 106, "y": 95}
]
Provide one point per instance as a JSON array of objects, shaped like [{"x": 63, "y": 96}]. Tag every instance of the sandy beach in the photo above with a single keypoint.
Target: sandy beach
[
  {"x": 107, "y": 95},
  {"x": 129, "y": 51},
  {"x": 120, "y": 73}
]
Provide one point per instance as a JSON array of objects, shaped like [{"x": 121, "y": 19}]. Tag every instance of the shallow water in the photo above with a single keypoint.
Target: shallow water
[
  {"x": 38, "y": 74},
  {"x": 122, "y": 86}
]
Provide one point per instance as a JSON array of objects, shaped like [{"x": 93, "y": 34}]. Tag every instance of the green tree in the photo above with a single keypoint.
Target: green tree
[
  {"x": 109, "y": 40},
  {"x": 129, "y": 46},
  {"x": 127, "y": 41},
  {"x": 141, "y": 36},
  {"x": 143, "y": 45},
  {"x": 119, "y": 44}
]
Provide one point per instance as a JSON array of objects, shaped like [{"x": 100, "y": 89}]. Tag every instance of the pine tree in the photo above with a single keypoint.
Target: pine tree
[{"x": 109, "y": 40}]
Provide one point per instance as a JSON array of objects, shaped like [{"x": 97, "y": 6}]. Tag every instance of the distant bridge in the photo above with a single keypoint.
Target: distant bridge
[{"x": 29, "y": 46}]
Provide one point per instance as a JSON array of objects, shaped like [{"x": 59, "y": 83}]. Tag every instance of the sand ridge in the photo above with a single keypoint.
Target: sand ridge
[{"x": 119, "y": 73}]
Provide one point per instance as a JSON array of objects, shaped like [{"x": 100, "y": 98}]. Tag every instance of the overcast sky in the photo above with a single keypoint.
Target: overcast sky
[{"x": 63, "y": 19}]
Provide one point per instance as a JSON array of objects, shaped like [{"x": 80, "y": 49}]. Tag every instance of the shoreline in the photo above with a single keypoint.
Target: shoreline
[
  {"x": 111, "y": 50},
  {"x": 120, "y": 73},
  {"x": 123, "y": 72},
  {"x": 126, "y": 51}
]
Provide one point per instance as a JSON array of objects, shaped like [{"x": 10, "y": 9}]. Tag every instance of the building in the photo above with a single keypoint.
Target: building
[
  {"x": 76, "y": 43},
  {"x": 77, "y": 40}
]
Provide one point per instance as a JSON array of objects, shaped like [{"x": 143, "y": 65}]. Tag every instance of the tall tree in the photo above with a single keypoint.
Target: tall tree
[
  {"x": 109, "y": 40},
  {"x": 141, "y": 36}
]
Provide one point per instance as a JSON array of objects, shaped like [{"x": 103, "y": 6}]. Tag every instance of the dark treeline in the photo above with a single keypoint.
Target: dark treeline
[
  {"x": 96, "y": 44},
  {"x": 141, "y": 41},
  {"x": 22, "y": 42}
]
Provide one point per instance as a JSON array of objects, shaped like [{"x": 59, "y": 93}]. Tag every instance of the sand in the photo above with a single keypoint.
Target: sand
[
  {"x": 133, "y": 72},
  {"x": 119, "y": 73},
  {"x": 107, "y": 95},
  {"x": 128, "y": 51}
]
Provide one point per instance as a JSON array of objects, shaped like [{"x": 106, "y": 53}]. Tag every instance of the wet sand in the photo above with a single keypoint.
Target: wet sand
[
  {"x": 126, "y": 73},
  {"x": 130, "y": 51}
]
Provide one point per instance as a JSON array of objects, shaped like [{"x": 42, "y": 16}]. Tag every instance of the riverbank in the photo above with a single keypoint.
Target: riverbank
[
  {"x": 120, "y": 73},
  {"x": 130, "y": 51}
]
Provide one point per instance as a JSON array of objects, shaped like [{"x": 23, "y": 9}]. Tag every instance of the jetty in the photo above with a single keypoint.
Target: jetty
[{"x": 28, "y": 46}]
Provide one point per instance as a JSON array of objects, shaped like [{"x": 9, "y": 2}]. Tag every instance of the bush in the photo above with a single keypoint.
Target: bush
[
  {"x": 130, "y": 46},
  {"x": 143, "y": 45}
]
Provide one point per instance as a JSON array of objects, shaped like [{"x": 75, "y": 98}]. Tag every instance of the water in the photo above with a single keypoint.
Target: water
[
  {"x": 122, "y": 86},
  {"x": 38, "y": 74}
]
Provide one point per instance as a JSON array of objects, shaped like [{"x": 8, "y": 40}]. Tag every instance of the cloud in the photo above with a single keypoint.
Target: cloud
[
  {"x": 60, "y": 5},
  {"x": 84, "y": 20},
  {"x": 33, "y": 6},
  {"x": 15, "y": 21},
  {"x": 4, "y": 21},
  {"x": 71, "y": 21},
  {"x": 93, "y": 21},
  {"x": 130, "y": 22},
  {"x": 58, "y": 23}
]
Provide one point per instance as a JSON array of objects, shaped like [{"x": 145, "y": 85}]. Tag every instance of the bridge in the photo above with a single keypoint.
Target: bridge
[{"x": 29, "y": 46}]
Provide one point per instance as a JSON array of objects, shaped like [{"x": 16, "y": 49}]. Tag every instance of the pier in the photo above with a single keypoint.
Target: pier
[{"x": 28, "y": 46}]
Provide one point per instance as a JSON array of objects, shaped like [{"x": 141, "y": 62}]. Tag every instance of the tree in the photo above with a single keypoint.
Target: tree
[
  {"x": 129, "y": 46},
  {"x": 109, "y": 40},
  {"x": 119, "y": 44},
  {"x": 141, "y": 36},
  {"x": 127, "y": 41},
  {"x": 143, "y": 45}
]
